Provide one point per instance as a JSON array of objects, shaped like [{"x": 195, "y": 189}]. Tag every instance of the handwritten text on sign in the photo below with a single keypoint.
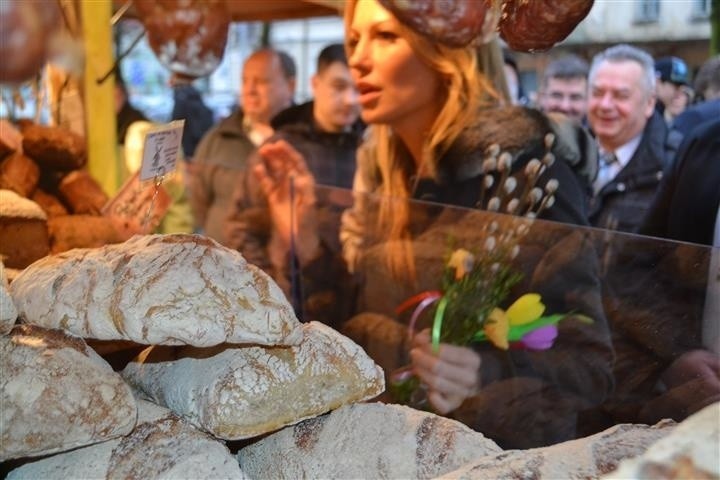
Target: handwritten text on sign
[{"x": 160, "y": 153}]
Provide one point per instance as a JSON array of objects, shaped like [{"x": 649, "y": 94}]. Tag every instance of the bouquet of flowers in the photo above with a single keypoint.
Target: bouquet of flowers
[{"x": 466, "y": 309}]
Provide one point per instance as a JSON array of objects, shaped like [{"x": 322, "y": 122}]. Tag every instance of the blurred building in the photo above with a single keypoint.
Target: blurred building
[{"x": 663, "y": 27}]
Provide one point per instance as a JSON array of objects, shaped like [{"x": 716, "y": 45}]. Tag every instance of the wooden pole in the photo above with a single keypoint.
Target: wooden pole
[{"x": 99, "y": 99}]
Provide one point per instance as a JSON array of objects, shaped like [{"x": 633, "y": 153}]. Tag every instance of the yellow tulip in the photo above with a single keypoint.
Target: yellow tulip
[
  {"x": 462, "y": 261},
  {"x": 496, "y": 328},
  {"x": 525, "y": 309}
]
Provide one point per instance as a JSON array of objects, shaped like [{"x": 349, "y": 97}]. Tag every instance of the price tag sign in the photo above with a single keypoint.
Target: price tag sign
[
  {"x": 161, "y": 150},
  {"x": 138, "y": 208}
]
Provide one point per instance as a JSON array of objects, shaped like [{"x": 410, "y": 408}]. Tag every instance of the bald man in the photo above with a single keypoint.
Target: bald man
[{"x": 268, "y": 86}]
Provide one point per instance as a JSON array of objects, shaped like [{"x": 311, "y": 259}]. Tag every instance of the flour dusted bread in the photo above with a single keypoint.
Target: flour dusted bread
[
  {"x": 587, "y": 457},
  {"x": 57, "y": 394},
  {"x": 157, "y": 289},
  {"x": 366, "y": 441},
  {"x": 162, "y": 446},
  {"x": 689, "y": 451},
  {"x": 236, "y": 393},
  {"x": 8, "y": 312}
]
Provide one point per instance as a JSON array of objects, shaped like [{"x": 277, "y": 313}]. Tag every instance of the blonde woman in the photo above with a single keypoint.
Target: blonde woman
[{"x": 436, "y": 130}]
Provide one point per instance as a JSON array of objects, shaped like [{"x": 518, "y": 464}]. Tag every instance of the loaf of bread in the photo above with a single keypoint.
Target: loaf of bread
[
  {"x": 10, "y": 138},
  {"x": 55, "y": 148},
  {"x": 157, "y": 289},
  {"x": 162, "y": 446},
  {"x": 80, "y": 231},
  {"x": 20, "y": 174},
  {"x": 237, "y": 393},
  {"x": 23, "y": 230},
  {"x": 8, "y": 312},
  {"x": 82, "y": 193},
  {"x": 588, "y": 457},
  {"x": 57, "y": 394},
  {"x": 49, "y": 203},
  {"x": 689, "y": 451},
  {"x": 366, "y": 441}
]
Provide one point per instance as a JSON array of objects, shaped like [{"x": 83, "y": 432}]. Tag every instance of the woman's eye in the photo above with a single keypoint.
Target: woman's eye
[{"x": 386, "y": 35}]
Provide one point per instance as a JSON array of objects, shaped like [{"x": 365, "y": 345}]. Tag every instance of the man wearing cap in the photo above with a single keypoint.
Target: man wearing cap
[{"x": 672, "y": 87}]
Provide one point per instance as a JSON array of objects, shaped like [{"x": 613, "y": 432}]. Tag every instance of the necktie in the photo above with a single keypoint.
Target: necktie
[
  {"x": 605, "y": 172},
  {"x": 607, "y": 159}
]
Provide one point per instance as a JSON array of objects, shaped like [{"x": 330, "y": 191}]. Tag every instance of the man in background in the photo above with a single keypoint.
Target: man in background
[
  {"x": 631, "y": 136},
  {"x": 707, "y": 87},
  {"x": 564, "y": 88},
  {"x": 327, "y": 132},
  {"x": 188, "y": 105},
  {"x": 673, "y": 80},
  {"x": 268, "y": 86}
]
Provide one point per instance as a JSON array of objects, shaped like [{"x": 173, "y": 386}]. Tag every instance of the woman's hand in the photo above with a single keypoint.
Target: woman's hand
[
  {"x": 280, "y": 167},
  {"x": 451, "y": 374}
]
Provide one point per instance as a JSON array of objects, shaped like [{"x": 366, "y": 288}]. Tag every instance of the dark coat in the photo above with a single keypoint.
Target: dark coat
[
  {"x": 624, "y": 201},
  {"x": 125, "y": 117},
  {"x": 219, "y": 164},
  {"x": 189, "y": 106},
  {"x": 686, "y": 204},
  {"x": 695, "y": 115},
  {"x": 528, "y": 399},
  {"x": 329, "y": 156}
]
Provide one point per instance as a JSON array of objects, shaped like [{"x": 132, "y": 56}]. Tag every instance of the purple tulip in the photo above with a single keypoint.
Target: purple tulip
[{"x": 540, "y": 339}]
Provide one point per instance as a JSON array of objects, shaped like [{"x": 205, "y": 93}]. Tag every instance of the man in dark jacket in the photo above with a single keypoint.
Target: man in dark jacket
[
  {"x": 327, "y": 132},
  {"x": 633, "y": 138},
  {"x": 189, "y": 106}
]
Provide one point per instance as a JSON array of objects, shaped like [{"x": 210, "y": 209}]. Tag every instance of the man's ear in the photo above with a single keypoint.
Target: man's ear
[
  {"x": 314, "y": 82},
  {"x": 650, "y": 105}
]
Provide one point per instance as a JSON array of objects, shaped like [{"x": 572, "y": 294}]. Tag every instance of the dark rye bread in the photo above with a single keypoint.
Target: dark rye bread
[
  {"x": 57, "y": 394},
  {"x": 161, "y": 446},
  {"x": 55, "y": 148},
  {"x": 372, "y": 440}
]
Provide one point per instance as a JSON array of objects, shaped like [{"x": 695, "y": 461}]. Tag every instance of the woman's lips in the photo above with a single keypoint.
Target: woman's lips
[
  {"x": 368, "y": 93},
  {"x": 369, "y": 97}
]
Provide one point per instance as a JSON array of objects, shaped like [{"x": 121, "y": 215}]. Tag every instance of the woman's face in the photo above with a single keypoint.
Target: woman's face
[{"x": 395, "y": 86}]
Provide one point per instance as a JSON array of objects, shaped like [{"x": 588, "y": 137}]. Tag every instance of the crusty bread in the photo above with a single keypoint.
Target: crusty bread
[
  {"x": 50, "y": 204},
  {"x": 23, "y": 230},
  {"x": 236, "y": 393},
  {"x": 587, "y": 457},
  {"x": 366, "y": 441},
  {"x": 8, "y": 312},
  {"x": 10, "y": 138},
  {"x": 689, "y": 451},
  {"x": 82, "y": 193},
  {"x": 80, "y": 231},
  {"x": 57, "y": 394},
  {"x": 54, "y": 147},
  {"x": 162, "y": 446},
  {"x": 19, "y": 174},
  {"x": 157, "y": 289}
]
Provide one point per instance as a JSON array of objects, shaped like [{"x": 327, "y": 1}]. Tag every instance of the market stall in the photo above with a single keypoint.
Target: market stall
[{"x": 586, "y": 336}]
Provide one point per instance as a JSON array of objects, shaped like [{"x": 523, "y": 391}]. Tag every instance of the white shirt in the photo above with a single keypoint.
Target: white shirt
[
  {"x": 606, "y": 173},
  {"x": 711, "y": 316}
]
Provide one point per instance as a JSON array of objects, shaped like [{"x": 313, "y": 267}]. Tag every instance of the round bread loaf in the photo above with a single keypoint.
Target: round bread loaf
[
  {"x": 23, "y": 230},
  {"x": 157, "y": 289},
  {"x": 57, "y": 394}
]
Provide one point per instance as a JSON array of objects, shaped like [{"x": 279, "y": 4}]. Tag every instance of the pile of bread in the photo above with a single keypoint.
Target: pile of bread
[
  {"x": 230, "y": 384},
  {"x": 48, "y": 202}
]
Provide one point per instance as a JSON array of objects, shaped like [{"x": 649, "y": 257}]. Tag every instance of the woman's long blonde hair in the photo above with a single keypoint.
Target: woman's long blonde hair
[{"x": 465, "y": 90}]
